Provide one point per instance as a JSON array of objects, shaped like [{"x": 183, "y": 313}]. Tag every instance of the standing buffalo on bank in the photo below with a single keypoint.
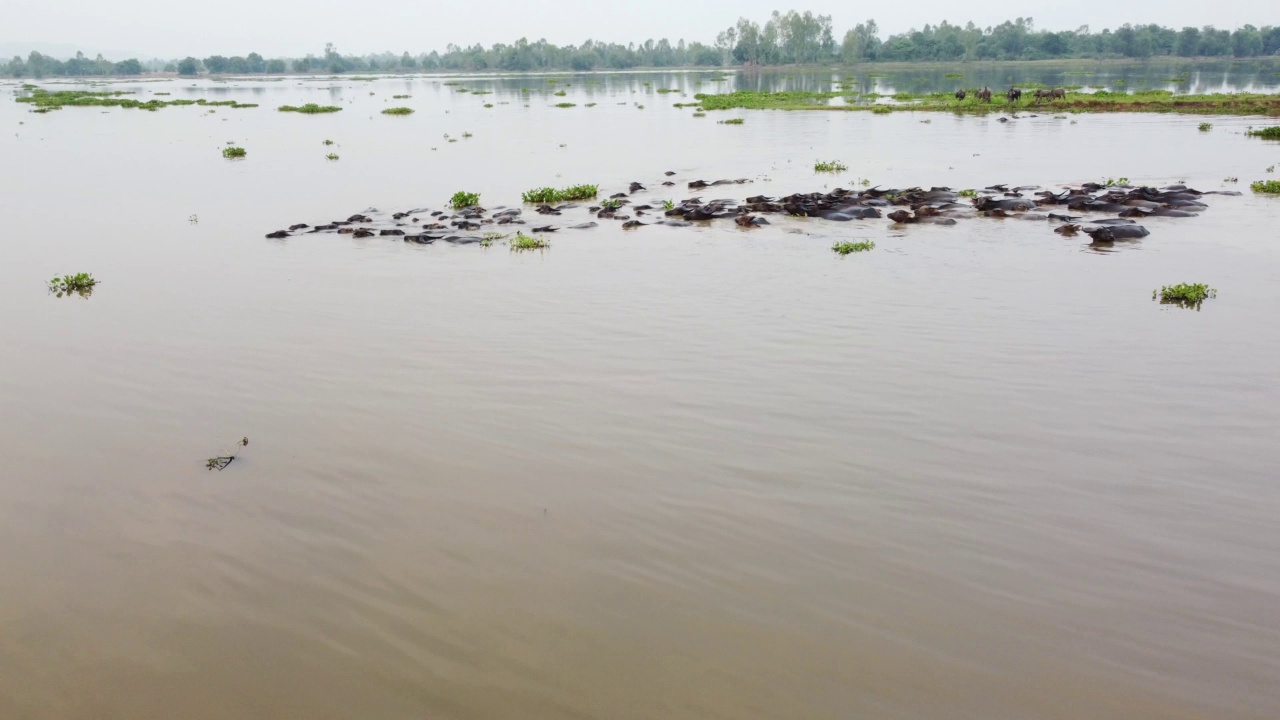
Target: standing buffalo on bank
[
  {"x": 1053, "y": 94},
  {"x": 985, "y": 94},
  {"x": 1014, "y": 95},
  {"x": 960, "y": 95}
]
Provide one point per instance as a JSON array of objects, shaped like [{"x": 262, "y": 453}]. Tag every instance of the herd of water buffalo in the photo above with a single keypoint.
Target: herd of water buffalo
[
  {"x": 935, "y": 206},
  {"x": 1015, "y": 94}
]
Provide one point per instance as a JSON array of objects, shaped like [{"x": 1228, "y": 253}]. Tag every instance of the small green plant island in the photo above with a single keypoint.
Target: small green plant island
[
  {"x": 81, "y": 284},
  {"x": 847, "y": 248},
  {"x": 1184, "y": 295},
  {"x": 544, "y": 195}
]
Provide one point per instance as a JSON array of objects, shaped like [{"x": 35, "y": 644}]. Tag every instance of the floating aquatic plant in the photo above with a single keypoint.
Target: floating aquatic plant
[
  {"x": 832, "y": 166},
  {"x": 462, "y": 199},
  {"x": 1184, "y": 294},
  {"x": 398, "y": 111},
  {"x": 1271, "y": 133},
  {"x": 1268, "y": 187},
  {"x": 1206, "y": 127},
  {"x": 221, "y": 462},
  {"x": 81, "y": 284},
  {"x": 310, "y": 109},
  {"x": 733, "y": 121},
  {"x": 401, "y": 97},
  {"x": 233, "y": 152},
  {"x": 565, "y": 105},
  {"x": 668, "y": 205},
  {"x": 328, "y": 142},
  {"x": 561, "y": 93},
  {"x": 550, "y": 195},
  {"x": 967, "y": 193},
  {"x": 845, "y": 248},
  {"x": 331, "y": 156},
  {"x": 611, "y": 204},
  {"x": 527, "y": 242},
  {"x": 1117, "y": 183}
]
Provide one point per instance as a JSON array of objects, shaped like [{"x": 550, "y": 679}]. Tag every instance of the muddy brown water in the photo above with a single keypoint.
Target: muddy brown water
[{"x": 691, "y": 473}]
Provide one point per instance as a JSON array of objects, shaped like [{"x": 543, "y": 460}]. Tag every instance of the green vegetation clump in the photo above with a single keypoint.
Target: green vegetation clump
[
  {"x": 331, "y": 156},
  {"x": 46, "y": 101},
  {"x": 565, "y": 105},
  {"x": 398, "y": 111},
  {"x": 589, "y": 105},
  {"x": 561, "y": 93},
  {"x": 664, "y": 91},
  {"x": 1206, "y": 127},
  {"x": 968, "y": 193},
  {"x": 1271, "y": 133},
  {"x": 527, "y": 242},
  {"x": 400, "y": 97},
  {"x": 233, "y": 152},
  {"x": 699, "y": 114},
  {"x": 81, "y": 283},
  {"x": 833, "y": 166},
  {"x": 463, "y": 199},
  {"x": 845, "y": 248},
  {"x": 1101, "y": 101},
  {"x": 732, "y": 121},
  {"x": 1184, "y": 294},
  {"x": 953, "y": 76},
  {"x": 668, "y": 205},
  {"x": 310, "y": 109},
  {"x": 611, "y": 204},
  {"x": 328, "y": 142},
  {"x": 1267, "y": 187},
  {"x": 549, "y": 195},
  {"x": 1112, "y": 182}
]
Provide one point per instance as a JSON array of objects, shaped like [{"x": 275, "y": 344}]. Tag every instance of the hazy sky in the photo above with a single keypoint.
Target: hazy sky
[{"x": 164, "y": 28}]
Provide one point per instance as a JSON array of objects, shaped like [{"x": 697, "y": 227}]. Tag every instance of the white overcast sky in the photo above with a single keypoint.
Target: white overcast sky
[{"x": 165, "y": 28}]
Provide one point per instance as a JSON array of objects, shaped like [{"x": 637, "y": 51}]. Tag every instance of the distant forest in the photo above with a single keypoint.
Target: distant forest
[{"x": 785, "y": 39}]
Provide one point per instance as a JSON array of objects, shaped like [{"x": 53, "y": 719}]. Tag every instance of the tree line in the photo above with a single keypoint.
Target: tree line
[{"x": 783, "y": 39}]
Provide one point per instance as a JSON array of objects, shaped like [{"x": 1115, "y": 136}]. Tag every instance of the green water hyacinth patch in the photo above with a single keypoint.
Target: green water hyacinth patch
[
  {"x": 45, "y": 100},
  {"x": 1184, "y": 294},
  {"x": 832, "y": 166},
  {"x": 1267, "y": 187},
  {"x": 846, "y": 248},
  {"x": 1271, "y": 133},
  {"x": 81, "y": 284},
  {"x": 540, "y": 196},
  {"x": 398, "y": 111},
  {"x": 233, "y": 152},
  {"x": 527, "y": 242},
  {"x": 463, "y": 199},
  {"x": 310, "y": 109}
]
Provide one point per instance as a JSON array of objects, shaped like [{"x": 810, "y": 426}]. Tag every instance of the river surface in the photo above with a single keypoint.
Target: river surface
[{"x": 680, "y": 473}]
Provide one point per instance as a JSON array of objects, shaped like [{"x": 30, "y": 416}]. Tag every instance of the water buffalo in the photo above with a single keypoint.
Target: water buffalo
[
  {"x": 985, "y": 94},
  {"x": 1014, "y": 95},
  {"x": 960, "y": 95},
  {"x": 1054, "y": 94}
]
